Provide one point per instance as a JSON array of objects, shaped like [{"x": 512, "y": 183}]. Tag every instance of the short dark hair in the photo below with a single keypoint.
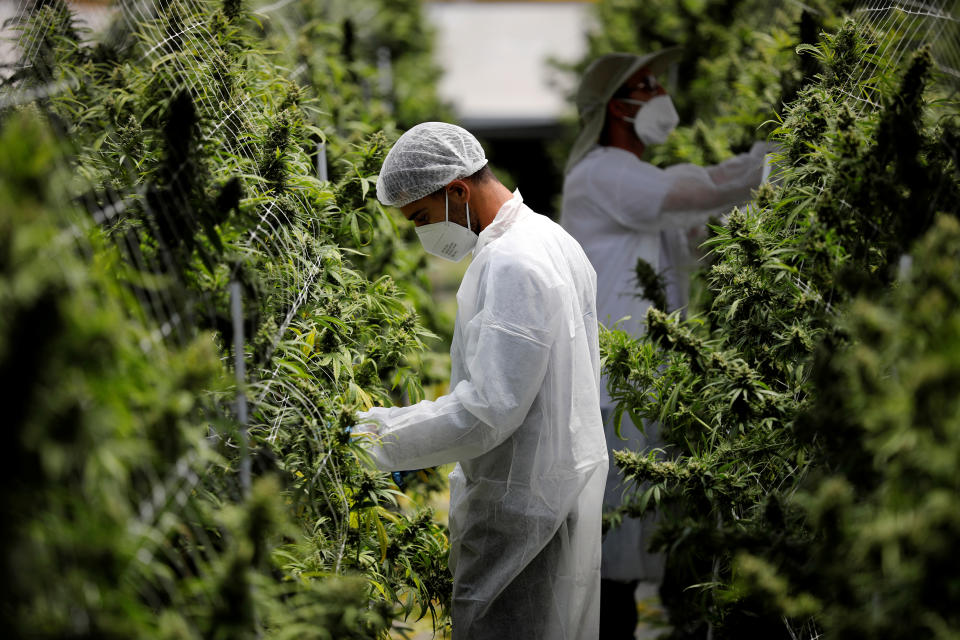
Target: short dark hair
[{"x": 480, "y": 176}]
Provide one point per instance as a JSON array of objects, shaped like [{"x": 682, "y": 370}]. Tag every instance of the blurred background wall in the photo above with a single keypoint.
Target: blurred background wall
[{"x": 502, "y": 76}]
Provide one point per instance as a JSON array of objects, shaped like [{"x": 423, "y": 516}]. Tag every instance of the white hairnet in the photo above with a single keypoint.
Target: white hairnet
[{"x": 426, "y": 158}]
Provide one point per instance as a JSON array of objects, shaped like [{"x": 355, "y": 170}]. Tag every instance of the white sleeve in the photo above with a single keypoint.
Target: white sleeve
[
  {"x": 633, "y": 192},
  {"x": 696, "y": 193},
  {"x": 512, "y": 339}
]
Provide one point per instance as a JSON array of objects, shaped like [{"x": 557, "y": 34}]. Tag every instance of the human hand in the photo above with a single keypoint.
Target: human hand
[
  {"x": 400, "y": 477},
  {"x": 764, "y": 147},
  {"x": 369, "y": 421}
]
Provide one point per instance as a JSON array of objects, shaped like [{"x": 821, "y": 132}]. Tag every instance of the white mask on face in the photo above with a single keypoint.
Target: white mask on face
[
  {"x": 447, "y": 240},
  {"x": 655, "y": 120}
]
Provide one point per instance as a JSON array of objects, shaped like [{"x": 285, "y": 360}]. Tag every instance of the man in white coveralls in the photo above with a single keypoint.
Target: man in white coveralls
[
  {"x": 620, "y": 209},
  {"x": 522, "y": 418}
]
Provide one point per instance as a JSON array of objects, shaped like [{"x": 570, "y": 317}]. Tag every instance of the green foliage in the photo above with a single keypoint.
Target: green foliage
[
  {"x": 884, "y": 501},
  {"x": 193, "y": 155},
  {"x": 367, "y": 68},
  {"x": 341, "y": 49},
  {"x": 858, "y": 186},
  {"x": 651, "y": 284},
  {"x": 106, "y": 533}
]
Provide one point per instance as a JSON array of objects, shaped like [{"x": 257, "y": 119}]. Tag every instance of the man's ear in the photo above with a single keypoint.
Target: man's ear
[
  {"x": 459, "y": 191},
  {"x": 617, "y": 109}
]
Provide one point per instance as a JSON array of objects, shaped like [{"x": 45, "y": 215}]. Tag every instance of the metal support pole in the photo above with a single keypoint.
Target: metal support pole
[
  {"x": 385, "y": 77},
  {"x": 240, "y": 370},
  {"x": 322, "y": 161},
  {"x": 366, "y": 92}
]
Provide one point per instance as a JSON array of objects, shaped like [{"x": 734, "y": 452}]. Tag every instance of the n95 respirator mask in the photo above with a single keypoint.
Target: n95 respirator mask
[
  {"x": 655, "y": 120},
  {"x": 447, "y": 240}
]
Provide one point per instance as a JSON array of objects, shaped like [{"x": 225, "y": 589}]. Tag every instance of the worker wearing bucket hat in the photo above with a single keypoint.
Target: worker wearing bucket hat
[
  {"x": 622, "y": 209},
  {"x": 608, "y": 75}
]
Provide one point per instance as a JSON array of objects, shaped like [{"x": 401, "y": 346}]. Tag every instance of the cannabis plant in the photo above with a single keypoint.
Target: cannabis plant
[
  {"x": 881, "y": 502},
  {"x": 195, "y": 157},
  {"x": 857, "y": 187}
]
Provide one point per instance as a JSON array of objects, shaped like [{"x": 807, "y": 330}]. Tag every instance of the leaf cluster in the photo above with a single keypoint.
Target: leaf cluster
[
  {"x": 194, "y": 154},
  {"x": 856, "y": 187}
]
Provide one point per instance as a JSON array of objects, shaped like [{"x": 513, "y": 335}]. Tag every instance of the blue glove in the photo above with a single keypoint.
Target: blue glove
[{"x": 400, "y": 477}]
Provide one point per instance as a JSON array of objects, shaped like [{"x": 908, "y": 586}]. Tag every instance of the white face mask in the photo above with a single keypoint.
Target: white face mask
[
  {"x": 447, "y": 240},
  {"x": 655, "y": 120}
]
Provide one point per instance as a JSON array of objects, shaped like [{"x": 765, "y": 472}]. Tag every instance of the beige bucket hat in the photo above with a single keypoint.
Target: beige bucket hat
[{"x": 600, "y": 81}]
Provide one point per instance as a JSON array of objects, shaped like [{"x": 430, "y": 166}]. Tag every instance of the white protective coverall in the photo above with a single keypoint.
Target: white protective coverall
[
  {"x": 523, "y": 422},
  {"x": 620, "y": 208}
]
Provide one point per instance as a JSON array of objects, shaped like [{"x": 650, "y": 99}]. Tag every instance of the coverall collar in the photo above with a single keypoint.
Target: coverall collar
[{"x": 511, "y": 211}]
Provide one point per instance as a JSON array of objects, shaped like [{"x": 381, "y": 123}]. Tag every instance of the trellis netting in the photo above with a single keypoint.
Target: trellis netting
[
  {"x": 199, "y": 291},
  {"x": 908, "y": 25}
]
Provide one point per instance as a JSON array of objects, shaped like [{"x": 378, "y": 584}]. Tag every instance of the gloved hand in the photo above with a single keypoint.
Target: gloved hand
[
  {"x": 764, "y": 147},
  {"x": 366, "y": 422},
  {"x": 770, "y": 151}
]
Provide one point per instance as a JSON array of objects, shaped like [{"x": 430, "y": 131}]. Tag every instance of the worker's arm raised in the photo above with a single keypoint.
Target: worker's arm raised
[{"x": 696, "y": 193}]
